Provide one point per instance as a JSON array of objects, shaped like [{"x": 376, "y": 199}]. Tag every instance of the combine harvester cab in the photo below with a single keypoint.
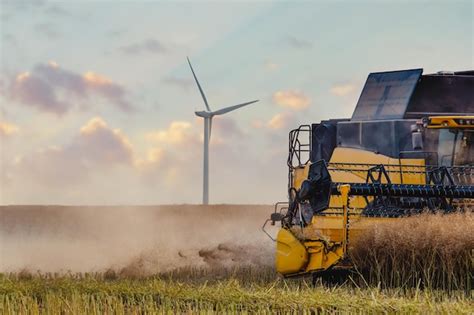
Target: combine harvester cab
[{"x": 408, "y": 148}]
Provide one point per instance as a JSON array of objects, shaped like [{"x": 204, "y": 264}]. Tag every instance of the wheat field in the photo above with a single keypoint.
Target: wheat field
[
  {"x": 432, "y": 251},
  {"x": 194, "y": 259}
]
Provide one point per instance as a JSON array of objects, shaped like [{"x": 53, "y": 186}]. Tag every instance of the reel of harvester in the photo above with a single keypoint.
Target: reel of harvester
[{"x": 438, "y": 194}]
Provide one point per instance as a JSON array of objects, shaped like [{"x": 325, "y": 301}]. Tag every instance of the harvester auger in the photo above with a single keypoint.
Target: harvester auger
[{"x": 408, "y": 148}]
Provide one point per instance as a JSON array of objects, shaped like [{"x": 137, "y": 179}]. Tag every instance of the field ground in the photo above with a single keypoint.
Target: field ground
[
  {"x": 175, "y": 259},
  {"x": 243, "y": 289}
]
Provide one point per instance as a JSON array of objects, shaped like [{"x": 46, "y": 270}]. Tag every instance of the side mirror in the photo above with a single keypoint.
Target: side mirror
[
  {"x": 276, "y": 217},
  {"x": 416, "y": 138}
]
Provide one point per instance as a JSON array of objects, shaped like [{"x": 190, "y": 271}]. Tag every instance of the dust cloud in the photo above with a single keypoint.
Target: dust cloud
[{"x": 145, "y": 238}]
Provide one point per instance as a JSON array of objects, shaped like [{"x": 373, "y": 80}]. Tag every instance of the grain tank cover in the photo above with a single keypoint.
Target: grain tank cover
[
  {"x": 386, "y": 95},
  {"x": 443, "y": 93}
]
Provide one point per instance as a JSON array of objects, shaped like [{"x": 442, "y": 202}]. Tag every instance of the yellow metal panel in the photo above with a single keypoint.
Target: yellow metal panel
[
  {"x": 406, "y": 171},
  {"x": 328, "y": 252},
  {"x": 320, "y": 246},
  {"x": 409, "y": 171},
  {"x": 439, "y": 122},
  {"x": 320, "y": 258},
  {"x": 350, "y": 155},
  {"x": 327, "y": 260},
  {"x": 291, "y": 255}
]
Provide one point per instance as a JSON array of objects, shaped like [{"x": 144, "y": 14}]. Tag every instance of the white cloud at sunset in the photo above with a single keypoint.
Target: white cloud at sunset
[
  {"x": 292, "y": 99},
  {"x": 51, "y": 88},
  {"x": 96, "y": 79},
  {"x": 279, "y": 121},
  {"x": 95, "y": 148},
  {"x": 99, "y": 162},
  {"x": 178, "y": 132},
  {"x": 342, "y": 89},
  {"x": 8, "y": 129}
]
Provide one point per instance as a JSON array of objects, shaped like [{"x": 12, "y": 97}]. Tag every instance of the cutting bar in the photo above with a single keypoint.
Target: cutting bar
[{"x": 406, "y": 190}]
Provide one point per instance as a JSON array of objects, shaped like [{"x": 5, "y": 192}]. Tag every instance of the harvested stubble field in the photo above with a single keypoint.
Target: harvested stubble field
[{"x": 215, "y": 259}]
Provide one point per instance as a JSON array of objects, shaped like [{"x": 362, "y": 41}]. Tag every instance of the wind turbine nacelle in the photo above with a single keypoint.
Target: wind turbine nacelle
[{"x": 204, "y": 114}]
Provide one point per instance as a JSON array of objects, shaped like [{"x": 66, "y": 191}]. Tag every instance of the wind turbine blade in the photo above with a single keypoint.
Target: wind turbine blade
[
  {"x": 199, "y": 85},
  {"x": 231, "y": 108}
]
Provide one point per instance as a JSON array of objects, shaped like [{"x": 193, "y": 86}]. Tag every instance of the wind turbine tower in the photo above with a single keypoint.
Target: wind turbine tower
[{"x": 208, "y": 114}]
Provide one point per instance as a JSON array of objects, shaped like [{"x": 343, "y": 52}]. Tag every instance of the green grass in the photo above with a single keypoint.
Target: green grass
[{"x": 239, "y": 290}]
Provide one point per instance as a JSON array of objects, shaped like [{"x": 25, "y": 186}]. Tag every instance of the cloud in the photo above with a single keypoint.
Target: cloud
[
  {"x": 155, "y": 155},
  {"x": 293, "y": 99},
  {"x": 108, "y": 89},
  {"x": 174, "y": 155},
  {"x": 342, "y": 89},
  {"x": 102, "y": 145},
  {"x": 178, "y": 132},
  {"x": 299, "y": 43},
  {"x": 99, "y": 161},
  {"x": 7, "y": 129},
  {"x": 147, "y": 46},
  {"x": 279, "y": 121},
  {"x": 226, "y": 128},
  {"x": 94, "y": 150},
  {"x": 98, "y": 165},
  {"x": 166, "y": 147},
  {"x": 170, "y": 161},
  {"x": 282, "y": 120},
  {"x": 51, "y": 88},
  {"x": 183, "y": 133}
]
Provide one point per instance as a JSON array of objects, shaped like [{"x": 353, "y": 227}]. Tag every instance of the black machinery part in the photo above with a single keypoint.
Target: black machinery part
[
  {"x": 318, "y": 188},
  {"x": 407, "y": 190}
]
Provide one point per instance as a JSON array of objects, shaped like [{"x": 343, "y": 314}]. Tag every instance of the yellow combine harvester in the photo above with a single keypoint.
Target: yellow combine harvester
[{"x": 408, "y": 147}]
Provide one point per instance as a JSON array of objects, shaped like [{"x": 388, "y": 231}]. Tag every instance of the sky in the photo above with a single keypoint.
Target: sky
[{"x": 97, "y": 100}]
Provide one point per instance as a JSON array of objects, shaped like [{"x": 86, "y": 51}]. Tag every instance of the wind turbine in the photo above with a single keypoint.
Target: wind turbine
[{"x": 208, "y": 114}]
